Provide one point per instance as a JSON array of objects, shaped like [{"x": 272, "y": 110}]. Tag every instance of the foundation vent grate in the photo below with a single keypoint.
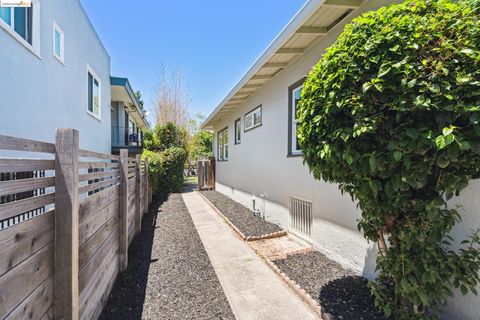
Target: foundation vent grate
[{"x": 301, "y": 217}]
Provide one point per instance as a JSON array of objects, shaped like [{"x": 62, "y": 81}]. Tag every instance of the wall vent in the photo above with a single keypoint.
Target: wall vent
[{"x": 301, "y": 217}]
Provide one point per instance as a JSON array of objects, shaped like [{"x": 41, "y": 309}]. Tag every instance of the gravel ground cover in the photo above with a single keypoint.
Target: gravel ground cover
[
  {"x": 240, "y": 216},
  {"x": 340, "y": 293},
  {"x": 169, "y": 274}
]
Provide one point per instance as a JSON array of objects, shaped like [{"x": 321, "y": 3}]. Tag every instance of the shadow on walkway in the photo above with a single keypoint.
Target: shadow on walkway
[
  {"x": 128, "y": 294},
  {"x": 189, "y": 186}
]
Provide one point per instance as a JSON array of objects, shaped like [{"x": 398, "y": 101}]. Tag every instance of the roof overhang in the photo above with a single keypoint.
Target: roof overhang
[
  {"x": 312, "y": 22},
  {"x": 121, "y": 91}
]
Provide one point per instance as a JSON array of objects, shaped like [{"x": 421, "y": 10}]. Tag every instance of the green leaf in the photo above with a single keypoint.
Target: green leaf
[
  {"x": 395, "y": 48},
  {"x": 411, "y": 83},
  {"x": 446, "y": 131},
  {"x": 397, "y": 155},
  {"x": 449, "y": 138},
  {"x": 443, "y": 162},
  {"x": 366, "y": 86},
  {"x": 412, "y": 133},
  {"x": 372, "y": 162},
  {"x": 440, "y": 142},
  {"x": 383, "y": 71},
  {"x": 348, "y": 157},
  {"x": 378, "y": 86}
]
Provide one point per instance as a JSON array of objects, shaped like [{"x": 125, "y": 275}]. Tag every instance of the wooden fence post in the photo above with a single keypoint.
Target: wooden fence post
[
  {"x": 66, "y": 224},
  {"x": 212, "y": 163},
  {"x": 123, "y": 221},
  {"x": 199, "y": 175},
  {"x": 146, "y": 194},
  {"x": 138, "y": 185}
]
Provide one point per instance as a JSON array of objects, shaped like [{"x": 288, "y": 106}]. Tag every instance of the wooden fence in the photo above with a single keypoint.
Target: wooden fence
[
  {"x": 206, "y": 174},
  {"x": 62, "y": 261}
]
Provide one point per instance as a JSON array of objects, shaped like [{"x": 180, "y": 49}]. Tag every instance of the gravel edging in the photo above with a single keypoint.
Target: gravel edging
[
  {"x": 169, "y": 275},
  {"x": 241, "y": 219},
  {"x": 307, "y": 298},
  {"x": 324, "y": 284}
]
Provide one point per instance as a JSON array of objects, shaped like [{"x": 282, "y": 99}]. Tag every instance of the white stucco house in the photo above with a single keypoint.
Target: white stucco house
[
  {"x": 259, "y": 161},
  {"x": 55, "y": 72}
]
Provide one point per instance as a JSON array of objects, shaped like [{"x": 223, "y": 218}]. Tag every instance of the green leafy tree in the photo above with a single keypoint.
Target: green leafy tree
[
  {"x": 392, "y": 114},
  {"x": 203, "y": 141},
  {"x": 199, "y": 142},
  {"x": 138, "y": 94},
  {"x": 165, "y": 136}
]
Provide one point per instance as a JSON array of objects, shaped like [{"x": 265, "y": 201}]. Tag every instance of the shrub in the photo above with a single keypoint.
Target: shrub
[
  {"x": 155, "y": 169},
  {"x": 391, "y": 113},
  {"x": 150, "y": 140},
  {"x": 173, "y": 160},
  {"x": 169, "y": 135},
  {"x": 166, "y": 169}
]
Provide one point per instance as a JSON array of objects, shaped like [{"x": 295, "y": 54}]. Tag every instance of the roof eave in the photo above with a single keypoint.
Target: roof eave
[
  {"x": 296, "y": 22},
  {"x": 123, "y": 82}
]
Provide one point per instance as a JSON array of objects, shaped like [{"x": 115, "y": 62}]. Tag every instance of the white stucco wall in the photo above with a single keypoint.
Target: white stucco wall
[
  {"x": 259, "y": 166},
  {"x": 40, "y": 94}
]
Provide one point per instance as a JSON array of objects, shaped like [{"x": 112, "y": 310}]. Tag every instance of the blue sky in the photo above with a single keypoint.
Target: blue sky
[{"x": 213, "y": 42}]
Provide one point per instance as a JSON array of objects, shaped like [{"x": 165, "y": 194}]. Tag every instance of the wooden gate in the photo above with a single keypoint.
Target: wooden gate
[{"x": 206, "y": 174}]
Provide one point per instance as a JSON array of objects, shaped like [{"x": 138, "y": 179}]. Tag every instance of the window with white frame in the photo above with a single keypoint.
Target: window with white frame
[
  {"x": 93, "y": 107},
  {"x": 20, "y": 20},
  {"x": 253, "y": 119},
  {"x": 23, "y": 24},
  {"x": 58, "y": 43},
  {"x": 238, "y": 131},
  {"x": 223, "y": 145},
  {"x": 294, "y": 94}
]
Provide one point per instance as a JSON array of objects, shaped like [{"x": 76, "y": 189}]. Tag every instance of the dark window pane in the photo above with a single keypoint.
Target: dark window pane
[
  {"x": 20, "y": 21},
  {"x": 90, "y": 92},
  {"x": 29, "y": 24}
]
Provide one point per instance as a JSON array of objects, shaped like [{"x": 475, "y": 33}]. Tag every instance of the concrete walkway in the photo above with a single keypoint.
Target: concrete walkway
[{"x": 253, "y": 290}]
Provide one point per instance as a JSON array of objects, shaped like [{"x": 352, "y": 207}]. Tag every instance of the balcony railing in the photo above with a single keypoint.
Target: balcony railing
[{"x": 125, "y": 136}]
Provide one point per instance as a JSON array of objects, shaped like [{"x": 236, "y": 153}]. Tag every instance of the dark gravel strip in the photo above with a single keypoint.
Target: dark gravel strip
[
  {"x": 340, "y": 293},
  {"x": 169, "y": 274},
  {"x": 240, "y": 216}
]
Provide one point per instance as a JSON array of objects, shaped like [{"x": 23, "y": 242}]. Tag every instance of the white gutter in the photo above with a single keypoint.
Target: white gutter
[{"x": 297, "y": 21}]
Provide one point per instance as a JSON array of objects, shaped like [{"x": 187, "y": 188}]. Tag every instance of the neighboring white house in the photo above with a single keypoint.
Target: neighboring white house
[
  {"x": 258, "y": 160},
  {"x": 55, "y": 72}
]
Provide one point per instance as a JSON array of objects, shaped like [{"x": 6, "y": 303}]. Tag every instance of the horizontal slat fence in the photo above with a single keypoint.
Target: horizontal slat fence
[{"x": 59, "y": 238}]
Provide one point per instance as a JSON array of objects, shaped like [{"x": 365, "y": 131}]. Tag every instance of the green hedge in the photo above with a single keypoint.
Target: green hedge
[
  {"x": 166, "y": 169},
  {"x": 392, "y": 114}
]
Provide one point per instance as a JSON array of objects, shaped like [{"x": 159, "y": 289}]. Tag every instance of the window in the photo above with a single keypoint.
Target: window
[
  {"x": 238, "y": 131},
  {"x": 223, "y": 145},
  {"x": 58, "y": 43},
  {"x": 19, "y": 20},
  {"x": 94, "y": 108},
  {"x": 294, "y": 93},
  {"x": 253, "y": 119}
]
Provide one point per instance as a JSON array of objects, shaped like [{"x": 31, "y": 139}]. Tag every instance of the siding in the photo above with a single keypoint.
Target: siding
[{"x": 38, "y": 95}]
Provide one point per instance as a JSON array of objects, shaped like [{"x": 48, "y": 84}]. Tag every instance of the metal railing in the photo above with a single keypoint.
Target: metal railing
[{"x": 126, "y": 136}]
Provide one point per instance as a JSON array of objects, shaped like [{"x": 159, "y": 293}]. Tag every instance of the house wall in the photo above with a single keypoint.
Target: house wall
[
  {"x": 259, "y": 166},
  {"x": 39, "y": 94}
]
